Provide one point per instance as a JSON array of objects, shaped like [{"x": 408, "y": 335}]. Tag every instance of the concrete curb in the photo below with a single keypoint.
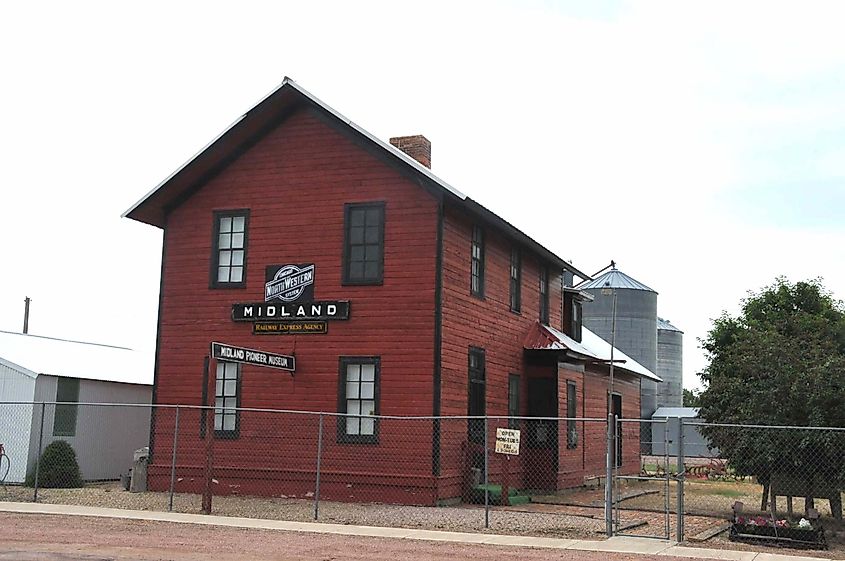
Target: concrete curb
[{"x": 618, "y": 544}]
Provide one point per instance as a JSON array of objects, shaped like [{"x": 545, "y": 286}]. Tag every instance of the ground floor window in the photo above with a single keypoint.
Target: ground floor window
[
  {"x": 226, "y": 398},
  {"x": 476, "y": 406},
  {"x": 358, "y": 398},
  {"x": 571, "y": 413},
  {"x": 64, "y": 420}
]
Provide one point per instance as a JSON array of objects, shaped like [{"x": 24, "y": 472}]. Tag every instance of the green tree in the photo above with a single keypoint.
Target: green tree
[
  {"x": 57, "y": 468},
  {"x": 781, "y": 361},
  {"x": 691, "y": 398}
]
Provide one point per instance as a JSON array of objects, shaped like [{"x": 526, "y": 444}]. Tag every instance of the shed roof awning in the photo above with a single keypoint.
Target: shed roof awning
[{"x": 592, "y": 348}]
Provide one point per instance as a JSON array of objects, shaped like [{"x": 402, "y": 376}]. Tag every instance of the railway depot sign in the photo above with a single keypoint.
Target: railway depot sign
[
  {"x": 320, "y": 310},
  {"x": 221, "y": 351},
  {"x": 289, "y": 328},
  {"x": 289, "y": 283},
  {"x": 507, "y": 441}
]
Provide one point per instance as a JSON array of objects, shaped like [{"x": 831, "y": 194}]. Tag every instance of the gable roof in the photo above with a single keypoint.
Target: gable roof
[
  {"x": 34, "y": 355},
  {"x": 267, "y": 114}
]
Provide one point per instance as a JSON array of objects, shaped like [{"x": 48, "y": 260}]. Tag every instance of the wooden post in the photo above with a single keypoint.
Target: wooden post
[
  {"x": 506, "y": 501},
  {"x": 209, "y": 435}
]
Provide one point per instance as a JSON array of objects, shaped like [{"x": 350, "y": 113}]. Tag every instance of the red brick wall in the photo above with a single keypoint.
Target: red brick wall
[{"x": 295, "y": 182}]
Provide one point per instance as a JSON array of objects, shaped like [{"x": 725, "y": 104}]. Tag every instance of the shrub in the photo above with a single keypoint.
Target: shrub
[{"x": 57, "y": 468}]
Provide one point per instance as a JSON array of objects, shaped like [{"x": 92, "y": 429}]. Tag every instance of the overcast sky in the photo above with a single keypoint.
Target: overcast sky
[{"x": 700, "y": 145}]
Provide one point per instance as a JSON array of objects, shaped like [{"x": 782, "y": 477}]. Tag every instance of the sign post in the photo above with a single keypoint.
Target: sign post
[{"x": 507, "y": 444}]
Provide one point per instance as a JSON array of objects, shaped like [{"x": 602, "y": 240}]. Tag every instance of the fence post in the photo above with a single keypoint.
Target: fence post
[
  {"x": 319, "y": 460},
  {"x": 38, "y": 455},
  {"x": 608, "y": 478},
  {"x": 486, "y": 481},
  {"x": 209, "y": 461},
  {"x": 681, "y": 475},
  {"x": 173, "y": 461}
]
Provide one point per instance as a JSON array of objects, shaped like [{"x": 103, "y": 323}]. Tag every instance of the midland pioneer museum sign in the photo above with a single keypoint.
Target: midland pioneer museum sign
[
  {"x": 221, "y": 351},
  {"x": 289, "y": 297}
]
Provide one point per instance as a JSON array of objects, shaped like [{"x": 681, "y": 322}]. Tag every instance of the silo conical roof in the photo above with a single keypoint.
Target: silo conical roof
[
  {"x": 664, "y": 325},
  {"x": 615, "y": 278}
]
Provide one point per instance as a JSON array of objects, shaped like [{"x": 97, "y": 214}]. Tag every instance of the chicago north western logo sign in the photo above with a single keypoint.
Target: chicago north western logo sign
[{"x": 289, "y": 283}]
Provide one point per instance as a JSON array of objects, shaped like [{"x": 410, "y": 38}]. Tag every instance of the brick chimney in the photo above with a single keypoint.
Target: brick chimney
[{"x": 418, "y": 147}]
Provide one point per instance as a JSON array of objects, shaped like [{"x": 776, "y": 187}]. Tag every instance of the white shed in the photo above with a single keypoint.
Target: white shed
[{"x": 36, "y": 370}]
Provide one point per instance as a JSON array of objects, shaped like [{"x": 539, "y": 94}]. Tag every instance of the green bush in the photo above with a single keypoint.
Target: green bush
[{"x": 57, "y": 467}]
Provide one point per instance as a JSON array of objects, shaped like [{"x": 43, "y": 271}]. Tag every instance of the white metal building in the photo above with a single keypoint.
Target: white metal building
[{"x": 35, "y": 369}]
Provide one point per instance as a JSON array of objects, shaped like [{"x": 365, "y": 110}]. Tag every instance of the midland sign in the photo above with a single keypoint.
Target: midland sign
[
  {"x": 319, "y": 310},
  {"x": 221, "y": 351}
]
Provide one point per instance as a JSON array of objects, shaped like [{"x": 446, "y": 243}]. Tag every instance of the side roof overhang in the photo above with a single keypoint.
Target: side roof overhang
[{"x": 267, "y": 114}]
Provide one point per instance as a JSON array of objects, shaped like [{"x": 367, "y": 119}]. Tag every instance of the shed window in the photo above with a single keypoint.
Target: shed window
[
  {"x": 476, "y": 406},
  {"x": 516, "y": 280},
  {"x": 364, "y": 244},
  {"x": 64, "y": 420},
  {"x": 571, "y": 413},
  {"x": 477, "y": 262},
  {"x": 359, "y": 392},
  {"x": 229, "y": 243}
]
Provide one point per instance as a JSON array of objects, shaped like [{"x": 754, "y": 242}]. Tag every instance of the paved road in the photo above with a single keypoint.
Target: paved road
[{"x": 29, "y": 537}]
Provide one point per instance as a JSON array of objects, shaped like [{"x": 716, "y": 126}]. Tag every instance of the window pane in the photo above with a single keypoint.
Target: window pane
[
  {"x": 238, "y": 223},
  {"x": 237, "y": 274},
  {"x": 229, "y": 422},
  {"x": 372, "y": 235},
  {"x": 368, "y": 372},
  {"x": 356, "y": 253},
  {"x": 231, "y": 387},
  {"x": 231, "y": 370},
  {"x": 368, "y": 390},
  {"x": 356, "y": 217},
  {"x": 224, "y": 241},
  {"x": 356, "y": 235},
  {"x": 353, "y": 425},
  {"x": 218, "y": 422},
  {"x": 356, "y": 270},
  {"x": 352, "y": 390},
  {"x": 226, "y": 224},
  {"x": 352, "y": 372},
  {"x": 368, "y": 407},
  {"x": 230, "y": 402},
  {"x": 225, "y": 259},
  {"x": 218, "y": 404},
  {"x": 371, "y": 270},
  {"x": 368, "y": 426},
  {"x": 238, "y": 241},
  {"x": 373, "y": 216},
  {"x": 353, "y": 406},
  {"x": 238, "y": 257},
  {"x": 218, "y": 390}
]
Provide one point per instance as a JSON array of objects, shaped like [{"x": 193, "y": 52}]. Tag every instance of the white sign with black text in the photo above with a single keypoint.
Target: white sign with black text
[{"x": 507, "y": 441}]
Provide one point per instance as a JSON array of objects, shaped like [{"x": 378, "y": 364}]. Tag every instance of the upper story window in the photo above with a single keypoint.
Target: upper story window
[
  {"x": 363, "y": 243},
  {"x": 516, "y": 280},
  {"x": 229, "y": 243},
  {"x": 576, "y": 320},
  {"x": 544, "y": 294},
  {"x": 359, "y": 391},
  {"x": 477, "y": 257}
]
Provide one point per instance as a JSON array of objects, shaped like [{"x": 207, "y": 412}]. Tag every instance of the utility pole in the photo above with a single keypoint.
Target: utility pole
[{"x": 26, "y": 302}]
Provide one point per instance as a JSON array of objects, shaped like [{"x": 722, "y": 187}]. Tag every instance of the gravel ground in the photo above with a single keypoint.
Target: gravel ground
[{"x": 469, "y": 518}]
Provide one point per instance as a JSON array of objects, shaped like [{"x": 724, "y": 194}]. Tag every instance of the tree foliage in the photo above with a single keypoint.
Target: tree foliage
[
  {"x": 691, "y": 398},
  {"x": 781, "y": 361},
  {"x": 57, "y": 468}
]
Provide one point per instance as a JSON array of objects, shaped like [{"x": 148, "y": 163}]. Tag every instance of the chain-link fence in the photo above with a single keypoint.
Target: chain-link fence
[{"x": 525, "y": 475}]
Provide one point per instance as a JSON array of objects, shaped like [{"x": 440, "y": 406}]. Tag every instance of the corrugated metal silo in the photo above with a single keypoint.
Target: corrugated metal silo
[
  {"x": 670, "y": 362},
  {"x": 636, "y": 328}
]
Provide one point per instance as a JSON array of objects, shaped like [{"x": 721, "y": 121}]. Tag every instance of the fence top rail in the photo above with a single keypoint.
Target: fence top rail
[
  {"x": 741, "y": 426},
  {"x": 660, "y": 421}
]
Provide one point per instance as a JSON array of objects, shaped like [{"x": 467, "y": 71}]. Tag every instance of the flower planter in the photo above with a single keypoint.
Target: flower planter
[{"x": 804, "y": 538}]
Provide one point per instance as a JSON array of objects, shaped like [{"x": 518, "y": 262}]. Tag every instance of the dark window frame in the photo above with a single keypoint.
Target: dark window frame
[
  {"x": 477, "y": 375},
  {"x": 342, "y": 436},
  {"x": 215, "y": 248},
  {"x": 571, "y": 413},
  {"x": 348, "y": 208},
  {"x": 230, "y": 434},
  {"x": 476, "y": 272},
  {"x": 513, "y": 401},
  {"x": 65, "y": 416},
  {"x": 576, "y": 319},
  {"x": 544, "y": 294},
  {"x": 516, "y": 280}
]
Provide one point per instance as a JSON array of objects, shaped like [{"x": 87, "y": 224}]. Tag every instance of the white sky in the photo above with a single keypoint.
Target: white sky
[{"x": 700, "y": 145}]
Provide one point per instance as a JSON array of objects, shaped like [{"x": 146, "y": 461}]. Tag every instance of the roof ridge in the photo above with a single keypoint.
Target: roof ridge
[{"x": 66, "y": 340}]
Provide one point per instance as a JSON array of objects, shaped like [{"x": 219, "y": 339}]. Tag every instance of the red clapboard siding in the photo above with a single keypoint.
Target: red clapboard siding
[{"x": 295, "y": 181}]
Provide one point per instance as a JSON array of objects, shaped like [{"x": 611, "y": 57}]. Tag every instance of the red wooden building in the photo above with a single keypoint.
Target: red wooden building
[{"x": 298, "y": 233}]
